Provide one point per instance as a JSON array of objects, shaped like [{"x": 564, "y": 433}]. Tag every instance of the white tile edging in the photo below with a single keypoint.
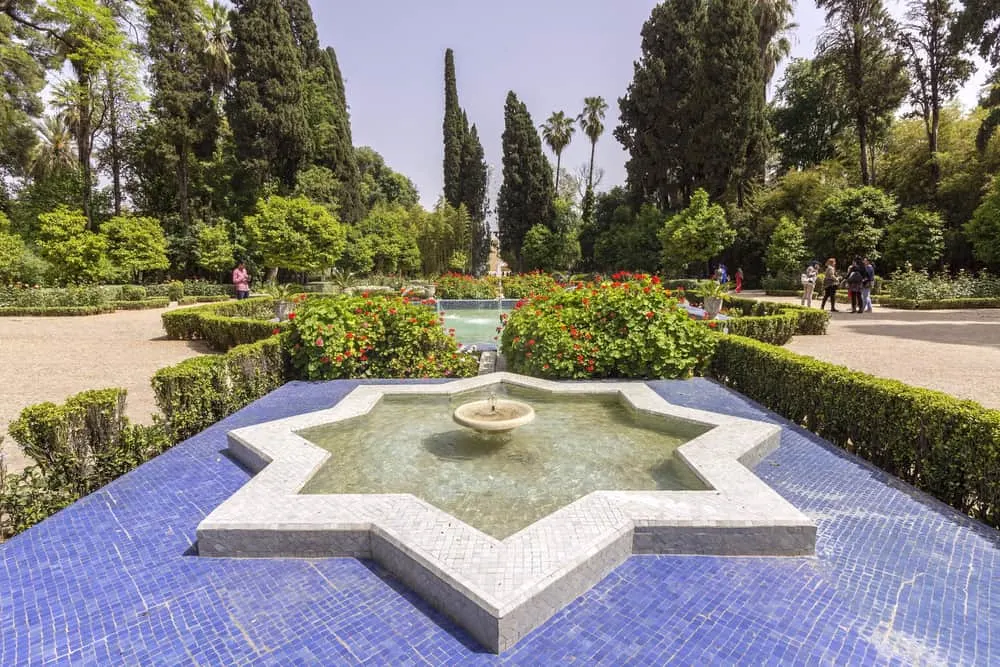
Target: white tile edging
[{"x": 501, "y": 590}]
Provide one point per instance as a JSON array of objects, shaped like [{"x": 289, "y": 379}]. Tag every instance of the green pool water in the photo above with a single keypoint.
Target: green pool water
[
  {"x": 501, "y": 483},
  {"x": 478, "y": 325}
]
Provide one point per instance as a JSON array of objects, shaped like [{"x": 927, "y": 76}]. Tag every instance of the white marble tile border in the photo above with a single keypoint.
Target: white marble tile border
[{"x": 501, "y": 590}]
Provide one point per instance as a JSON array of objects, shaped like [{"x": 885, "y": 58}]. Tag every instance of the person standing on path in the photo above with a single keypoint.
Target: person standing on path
[
  {"x": 739, "y": 280},
  {"x": 809, "y": 284},
  {"x": 855, "y": 276},
  {"x": 830, "y": 285},
  {"x": 867, "y": 285},
  {"x": 241, "y": 280}
]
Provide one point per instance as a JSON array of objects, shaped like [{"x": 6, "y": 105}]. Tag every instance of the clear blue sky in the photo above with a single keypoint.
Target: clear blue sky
[{"x": 552, "y": 53}]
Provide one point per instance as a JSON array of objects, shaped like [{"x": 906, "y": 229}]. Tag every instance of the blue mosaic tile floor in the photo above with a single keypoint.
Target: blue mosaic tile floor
[{"x": 898, "y": 579}]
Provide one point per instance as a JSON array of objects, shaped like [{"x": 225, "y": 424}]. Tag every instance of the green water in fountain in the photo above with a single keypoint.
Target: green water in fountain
[
  {"x": 473, "y": 325},
  {"x": 501, "y": 483}
]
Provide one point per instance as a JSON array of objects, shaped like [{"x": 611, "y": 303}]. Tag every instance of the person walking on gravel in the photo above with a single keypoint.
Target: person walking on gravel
[
  {"x": 241, "y": 281},
  {"x": 867, "y": 285},
  {"x": 830, "y": 285}
]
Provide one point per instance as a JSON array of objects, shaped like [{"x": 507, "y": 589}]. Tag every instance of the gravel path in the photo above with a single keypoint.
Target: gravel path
[
  {"x": 52, "y": 358},
  {"x": 954, "y": 351}
]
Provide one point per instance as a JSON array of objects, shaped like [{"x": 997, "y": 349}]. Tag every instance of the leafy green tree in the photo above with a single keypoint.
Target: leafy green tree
[
  {"x": 787, "y": 250},
  {"x": 557, "y": 132},
  {"x": 440, "y": 235},
  {"x": 182, "y": 99},
  {"x": 338, "y": 155},
  {"x": 217, "y": 33},
  {"x": 215, "y": 250},
  {"x": 20, "y": 101},
  {"x": 979, "y": 24},
  {"x": 851, "y": 223},
  {"x": 858, "y": 43},
  {"x": 916, "y": 237},
  {"x": 76, "y": 255},
  {"x": 990, "y": 102},
  {"x": 54, "y": 153},
  {"x": 295, "y": 234},
  {"x": 591, "y": 121},
  {"x": 546, "y": 250},
  {"x": 807, "y": 115},
  {"x": 983, "y": 229},
  {"x": 937, "y": 64},
  {"x": 627, "y": 241},
  {"x": 135, "y": 244},
  {"x": 452, "y": 133},
  {"x": 694, "y": 236},
  {"x": 773, "y": 25},
  {"x": 11, "y": 253},
  {"x": 527, "y": 192},
  {"x": 380, "y": 184},
  {"x": 266, "y": 105},
  {"x": 388, "y": 230}
]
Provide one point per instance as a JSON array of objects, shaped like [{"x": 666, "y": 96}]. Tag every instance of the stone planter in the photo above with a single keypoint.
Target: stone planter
[
  {"x": 281, "y": 310},
  {"x": 713, "y": 305},
  {"x": 430, "y": 290}
]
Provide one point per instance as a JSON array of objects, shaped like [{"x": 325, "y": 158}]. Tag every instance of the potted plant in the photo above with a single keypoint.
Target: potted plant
[
  {"x": 712, "y": 293},
  {"x": 282, "y": 295}
]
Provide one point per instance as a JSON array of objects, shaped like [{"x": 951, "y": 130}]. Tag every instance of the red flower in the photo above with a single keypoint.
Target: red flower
[
  {"x": 531, "y": 341},
  {"x": 655, "y": 280},
  {"x": 319, "y": 342},
  {"x": 340, "y": 358},
  {"x": 324, "y": 359},
  {"x": 650, "y": 314},
  {"x": 364, "y": 357},
  {"x": 713, "y": 324},
  {"x": 276, "y": 331},
  {"x": 291, "y": 316},
  {"x": 349, "y": 335}
]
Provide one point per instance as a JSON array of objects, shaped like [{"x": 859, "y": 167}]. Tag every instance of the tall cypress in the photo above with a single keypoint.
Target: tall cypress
[
  {"x": 527, "y": 192},
  {"x": 340, "y": 156},
  {"x": 181, "y": 98},
  {"x": 453, "y": 138},
  {"x": 266, "y": 103},
  {"x": 473, "y": 194},
  {"x": 300, "y": 20}
]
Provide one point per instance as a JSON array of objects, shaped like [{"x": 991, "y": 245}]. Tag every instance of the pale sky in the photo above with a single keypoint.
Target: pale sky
[{"x": 552, "y": 53}]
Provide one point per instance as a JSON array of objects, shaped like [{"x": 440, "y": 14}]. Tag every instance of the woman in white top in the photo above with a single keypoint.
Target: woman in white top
[{"x": 808, "y": 284}]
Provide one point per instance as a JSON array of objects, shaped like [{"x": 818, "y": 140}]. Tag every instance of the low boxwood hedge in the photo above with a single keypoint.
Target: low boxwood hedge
[
  {"x": 223, "y": 325},
  {"x": 145, "y": 304},
  {"x": 200, "y": 391},
  {"x": 56, "y": 311},
  {"x": 947, "y": 447},
  {"x": 939, "y": 304},
  {"x": 189, "y": 300}
]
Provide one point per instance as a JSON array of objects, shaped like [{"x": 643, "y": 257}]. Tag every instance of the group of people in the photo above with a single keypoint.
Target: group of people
[
  {"x": 721, "y": 275},
  {"x": 859, "y": 281}
]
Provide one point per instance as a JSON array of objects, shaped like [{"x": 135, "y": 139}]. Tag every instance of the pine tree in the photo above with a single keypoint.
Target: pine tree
[
  {"x": 526, "y": 195},
  {"x": 453, "y": 138},
  {"x": 265, "y": 106},
  {"x": 181, "y": 99}
]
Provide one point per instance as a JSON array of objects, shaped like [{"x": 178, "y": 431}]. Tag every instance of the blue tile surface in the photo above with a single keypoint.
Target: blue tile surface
[{"x": 898, "y": 579}]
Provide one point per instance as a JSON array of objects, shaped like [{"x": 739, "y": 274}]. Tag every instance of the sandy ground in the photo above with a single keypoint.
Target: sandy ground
[
  {"x": 52, "y": 358},
  {"x": 954, "y": 351}
]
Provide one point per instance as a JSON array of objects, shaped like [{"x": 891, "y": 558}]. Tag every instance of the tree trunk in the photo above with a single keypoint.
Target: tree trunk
[
  {"x": 183, "y": 186},
  {"x": 558, "y": 162},
  {"x": 83, "y": 142},
  {"x": 863, "y": 144},
  {"x": 116, "y": 169},
  {"x": 932, "y": 145},
  {"x": 590, "y": 172}
]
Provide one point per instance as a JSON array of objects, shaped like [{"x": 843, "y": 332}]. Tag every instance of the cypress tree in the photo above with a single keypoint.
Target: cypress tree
[
  {"x": 473, "y": 195},
  {"x": 182, "y": 100},
  {"x": 266, "y": 104},
  {"x": 527, "y": 192},
  {"x": 300, "y": 19},
  {"x": 453, "y": 138},
  {"x": 340, "y": 156}
]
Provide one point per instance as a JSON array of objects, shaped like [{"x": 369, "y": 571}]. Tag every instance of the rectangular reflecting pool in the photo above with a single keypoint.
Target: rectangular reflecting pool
[{"x": 473, "y": 325}]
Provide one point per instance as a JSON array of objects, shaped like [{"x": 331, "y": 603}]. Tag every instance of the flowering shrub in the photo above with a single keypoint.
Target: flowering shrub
[
  {"x": 461, "y": 286},
  {"x": 524, "y": 285},
  {"x": 352, "y": 337},
  {"x": 630, "y": 327},
  {"x": 921, "y": 286}
]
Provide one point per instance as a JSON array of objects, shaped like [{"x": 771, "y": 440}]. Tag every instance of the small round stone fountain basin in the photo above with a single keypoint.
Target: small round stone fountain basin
[{"x": 493, "y": 415}]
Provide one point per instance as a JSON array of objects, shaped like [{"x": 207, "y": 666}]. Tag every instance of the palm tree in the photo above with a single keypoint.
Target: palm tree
[
  {"x": 557, "y": 132},
  {"x": 56, "y": 151},
  {"x": 213, "y": 21},
  {"x": 592, "y": 123},
  {"x": 772, "y": 29}
]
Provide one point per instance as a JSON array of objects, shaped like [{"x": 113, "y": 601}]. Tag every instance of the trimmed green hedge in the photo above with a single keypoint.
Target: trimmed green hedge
[
  {"x": 188, "y": 300},
  {"x": 947, "y": 447},
  {"x": 57, "y": 311},
  {"x": 223, "y": 325},
  {"x": 200, "y": 391},
  {"x": 145, "y": 304},
  {"x": 774, "y": 329},
  {"x": 939, "y": 304},
  {"x": 810, "y": 321}
]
